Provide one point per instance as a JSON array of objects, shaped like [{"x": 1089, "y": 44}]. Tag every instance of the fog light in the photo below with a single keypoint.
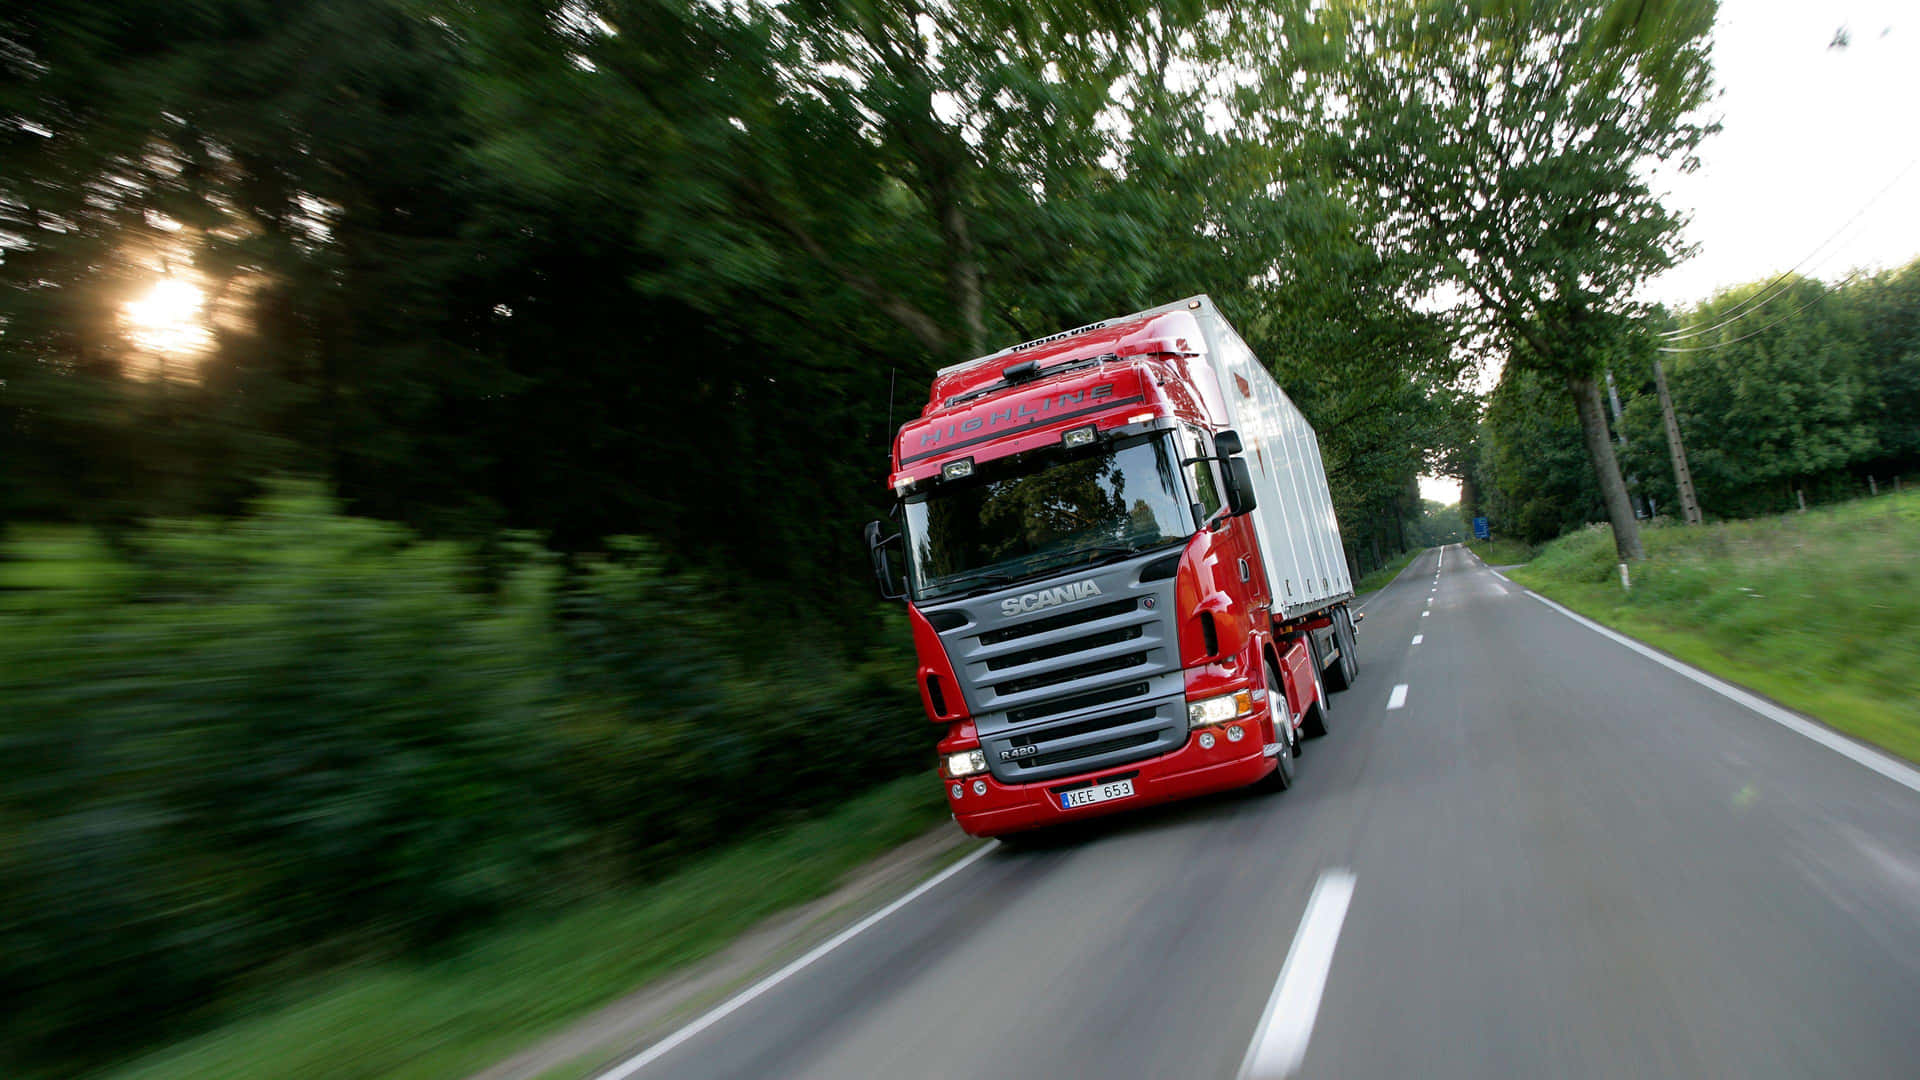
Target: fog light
[
  {"x": 1206, "y": 740},
  {"x": 979, "y": 787},
  {"x": 958, "y": 791},
  {"x": 1234, "y": 734},
  {"x": 957, "y": 470},
  {"x": 1080, "y": 436}
]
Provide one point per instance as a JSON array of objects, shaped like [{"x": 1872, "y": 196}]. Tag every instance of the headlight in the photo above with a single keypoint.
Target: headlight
[
  {"x": 1219, "y": 710},
  {"x": 966, "y": 763}
]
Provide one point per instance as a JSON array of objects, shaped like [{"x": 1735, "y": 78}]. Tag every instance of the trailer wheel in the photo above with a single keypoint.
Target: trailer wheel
[
  {"x": 1350, "y": 646},
  {"x": 1348, "y": 666},
  {"x": 1281, "y": 778},
  {"x": 1316, "y": 725}
]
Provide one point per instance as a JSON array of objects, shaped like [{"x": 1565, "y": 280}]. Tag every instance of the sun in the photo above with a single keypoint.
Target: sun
[{"x": 168, "y": 319}]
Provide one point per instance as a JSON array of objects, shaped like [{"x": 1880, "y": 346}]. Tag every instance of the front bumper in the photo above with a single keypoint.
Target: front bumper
[{"x": 1179, "y": 774}]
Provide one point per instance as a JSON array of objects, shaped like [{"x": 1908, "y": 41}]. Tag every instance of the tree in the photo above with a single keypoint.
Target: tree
[
  {"x": 1771, "y": 391},
  {"x": 1506, "y": 144},
  {"x": 1532, "y": 476}
]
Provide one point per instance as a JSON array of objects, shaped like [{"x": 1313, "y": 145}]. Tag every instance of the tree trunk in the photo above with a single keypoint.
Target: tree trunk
[{"x": 1606, "y": 467}]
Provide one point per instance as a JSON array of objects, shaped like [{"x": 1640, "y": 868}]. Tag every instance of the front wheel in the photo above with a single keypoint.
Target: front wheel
[{"x": 1281, "y": 778}]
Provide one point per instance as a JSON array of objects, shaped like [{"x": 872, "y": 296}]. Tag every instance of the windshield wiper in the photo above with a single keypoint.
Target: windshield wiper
[
  {"x": 1100, "y": 552},
  {"x": 975, "y": 582}
]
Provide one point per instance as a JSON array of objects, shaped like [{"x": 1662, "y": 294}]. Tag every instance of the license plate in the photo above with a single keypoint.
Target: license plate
[{"x": 1098, "y": 793}]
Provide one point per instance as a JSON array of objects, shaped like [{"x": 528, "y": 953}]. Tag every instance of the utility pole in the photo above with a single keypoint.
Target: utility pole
[
  {"x": 1682, "y": 479},
  {"x": 1620, "y": 435}
]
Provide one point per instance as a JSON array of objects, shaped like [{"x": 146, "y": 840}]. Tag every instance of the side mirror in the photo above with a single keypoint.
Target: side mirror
[
  {"x": 1240, "y": 498},
  {"x": 884, "y": 573},
  {"x": 1227, "y": 443}
]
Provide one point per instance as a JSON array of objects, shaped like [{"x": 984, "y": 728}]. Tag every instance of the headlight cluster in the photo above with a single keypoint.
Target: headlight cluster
[
  {"x": 1219, "y": 710},
  {"x": 966, "y": 763}
]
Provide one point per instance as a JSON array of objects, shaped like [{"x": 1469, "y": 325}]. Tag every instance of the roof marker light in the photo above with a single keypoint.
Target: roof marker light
[
  {"x": 1139, "y": 418},
  {"x": 1079, "y": 436},
  {"x": 957, "y": 470}
]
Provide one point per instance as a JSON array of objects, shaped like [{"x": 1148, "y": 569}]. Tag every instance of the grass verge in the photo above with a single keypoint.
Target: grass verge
[
  {"x": 1501, "y": 551},
  {"x": 1377, "y": 580},
  {"x": 445, "y": 1019},
  {"x": 1819, "y": 611}
]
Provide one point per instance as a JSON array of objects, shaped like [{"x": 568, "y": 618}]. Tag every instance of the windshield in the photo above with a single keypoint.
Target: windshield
[{"x": 1043, "y": 513}]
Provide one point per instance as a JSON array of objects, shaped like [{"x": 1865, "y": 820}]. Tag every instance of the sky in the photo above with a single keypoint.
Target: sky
[{"x": 1811, "y": 136}]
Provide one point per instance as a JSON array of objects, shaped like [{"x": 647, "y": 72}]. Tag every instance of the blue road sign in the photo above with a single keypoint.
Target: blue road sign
[{"x": 1480, "y": 530}]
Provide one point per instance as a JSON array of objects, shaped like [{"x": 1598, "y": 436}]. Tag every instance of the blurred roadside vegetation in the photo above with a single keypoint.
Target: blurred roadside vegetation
[
  {"x": 1501, "y": 550},
  {"x": 1820, "y": 611},
  {"x": 239, "y": 751},
  {"x": 449, "y": 1014},
  {"x": 1382, "y": 577}
]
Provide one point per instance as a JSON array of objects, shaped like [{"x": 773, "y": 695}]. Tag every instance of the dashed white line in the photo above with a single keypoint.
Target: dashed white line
[
  {"x": 1399, "y": 696},
  {"x": 1418, "y": 638},
  {"x": 713, "y": 1016},
  {"x": 1280, "y": 1042},
  {"x": 1424, "y": 614}
]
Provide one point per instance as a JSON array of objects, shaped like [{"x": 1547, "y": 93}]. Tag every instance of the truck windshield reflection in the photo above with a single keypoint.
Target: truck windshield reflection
[{"x": 1044, "y": 513}]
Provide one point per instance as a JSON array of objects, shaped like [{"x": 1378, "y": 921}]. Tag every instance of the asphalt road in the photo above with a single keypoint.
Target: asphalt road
[{"x": 1555, "y": 857}]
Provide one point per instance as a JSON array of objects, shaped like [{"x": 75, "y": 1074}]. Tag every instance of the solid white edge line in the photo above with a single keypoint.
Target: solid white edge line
[
  {"x": 1280, "y": 1041},
  {"x": 1893, "y": 770},
  {"x": 713, "y": 1016},
  {"x": 1417, "y": 638},
  {"x": 1398, "y": 697}
]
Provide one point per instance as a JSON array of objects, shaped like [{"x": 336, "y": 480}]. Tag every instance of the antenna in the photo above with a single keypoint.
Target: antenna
[{"x": 892, "y": 374}]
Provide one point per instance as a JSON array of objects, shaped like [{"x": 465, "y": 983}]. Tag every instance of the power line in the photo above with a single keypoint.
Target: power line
[
  {"x": 1762, "y": 297},
  {"x": 1763, "y": 329}
]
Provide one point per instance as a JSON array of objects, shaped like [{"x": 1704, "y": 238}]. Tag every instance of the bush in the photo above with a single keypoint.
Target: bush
[{"x": 235, "y": 751}]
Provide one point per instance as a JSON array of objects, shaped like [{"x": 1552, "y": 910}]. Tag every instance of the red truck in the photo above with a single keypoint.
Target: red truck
[{"x": 1122, "y": 570}]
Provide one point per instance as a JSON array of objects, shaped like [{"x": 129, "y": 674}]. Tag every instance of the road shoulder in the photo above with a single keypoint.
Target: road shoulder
[{"x": 610, "y": 1033}]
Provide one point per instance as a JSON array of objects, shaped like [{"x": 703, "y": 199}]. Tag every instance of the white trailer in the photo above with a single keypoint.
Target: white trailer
[{"x": 1306, "y": 562}]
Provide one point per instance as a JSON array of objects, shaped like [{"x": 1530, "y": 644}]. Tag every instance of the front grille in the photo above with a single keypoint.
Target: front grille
[
  {"x": 1079, "y": 753},
  {"x": 1055, "y": 622},
  {"x": 1065, "y": 648},
  {"x": 1091, "y": 685},
  {"x": 1078, "y": 701},
  {"x": 1069, "y": 674},
  {"x": 1068, "y": 731}
]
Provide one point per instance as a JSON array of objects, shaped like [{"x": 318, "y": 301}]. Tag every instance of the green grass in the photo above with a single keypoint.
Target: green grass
[
  {"x": 1502, "y": 551},
  {"x": 1379, "y": 578},
  {"x": 1819, "y": 611},
  {"x": 446, "y": 1019}
]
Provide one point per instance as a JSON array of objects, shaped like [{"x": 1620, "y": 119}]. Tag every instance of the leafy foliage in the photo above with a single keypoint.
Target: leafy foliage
[
  {"x": 250, "y": 747},
  {"x": 1503, "y": 147},
  {"x": 1779, "y": 389}
]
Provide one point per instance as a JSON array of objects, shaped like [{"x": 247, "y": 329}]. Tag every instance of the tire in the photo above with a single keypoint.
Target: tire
[
  {"x": 1281, "y": 778},
  {"x": 1350, "y": 649},
  {"x": 1337, "y": 678},
  {"x": 1316, "y": 725}
]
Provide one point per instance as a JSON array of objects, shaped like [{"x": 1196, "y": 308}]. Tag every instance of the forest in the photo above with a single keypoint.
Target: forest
[{"x": 1786, "y": 392}]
